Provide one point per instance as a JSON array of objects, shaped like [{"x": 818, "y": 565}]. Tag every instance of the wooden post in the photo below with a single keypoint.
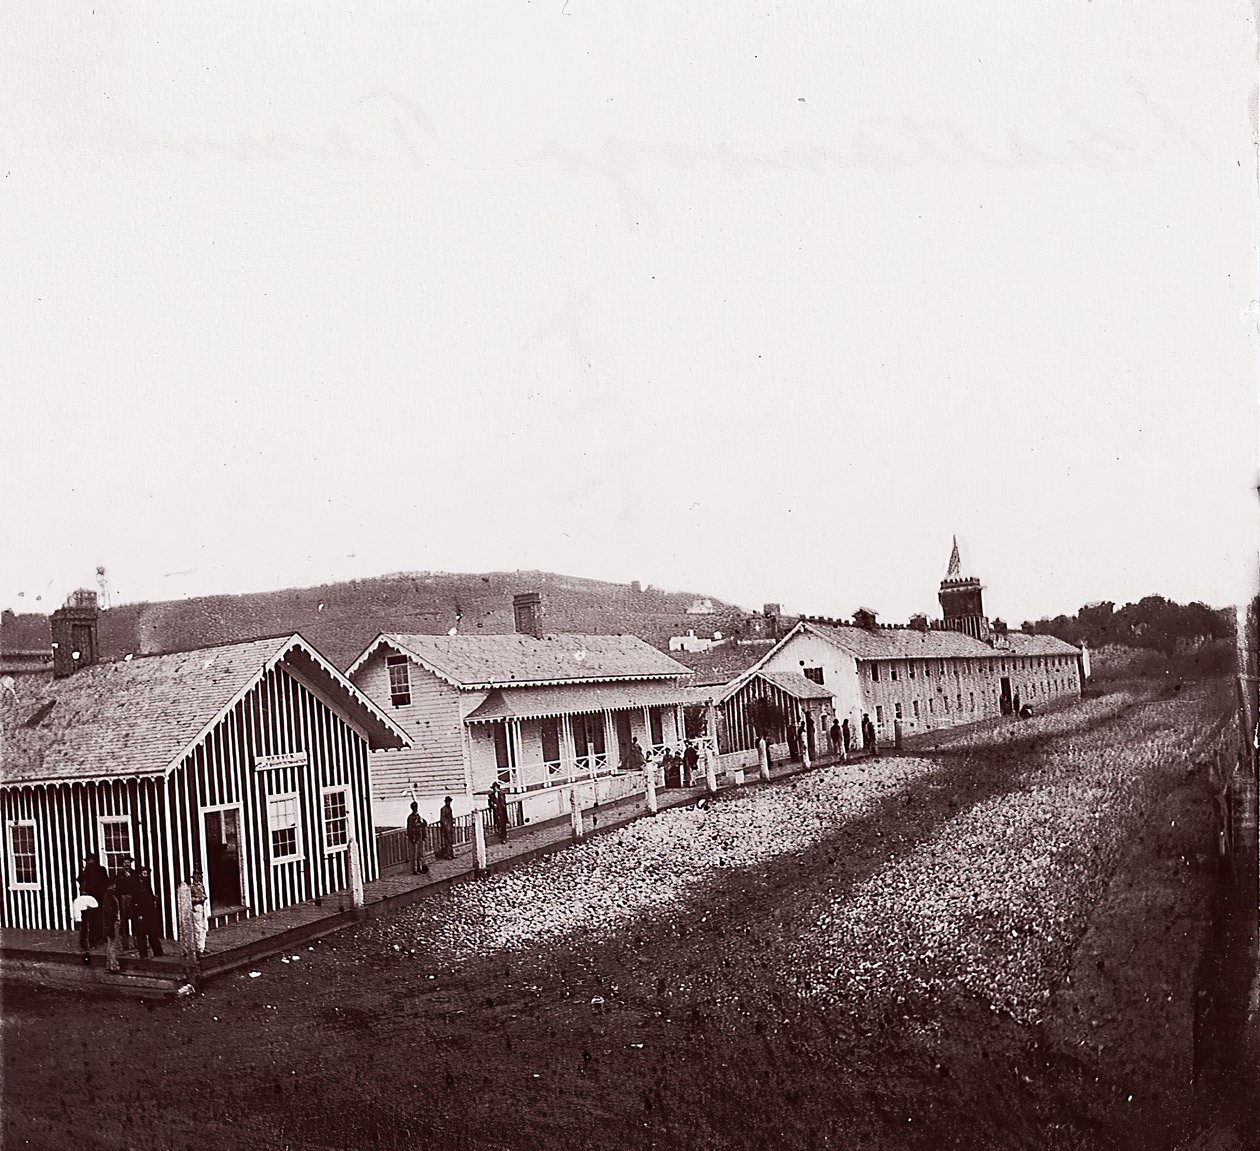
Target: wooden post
[
  {"x": 737, "y": 776},
  {"x": 897, "y": 734},
  {"x": 479, "y": 842},
  {"x": 355, "y": 867},
  {"x": 649, "y": 772},
  {"x": 575, "y": 813},
  {"x": 710, "y": 770},
  {"x": 187, "y": 928},
  {"x": 763, "y": 759}
]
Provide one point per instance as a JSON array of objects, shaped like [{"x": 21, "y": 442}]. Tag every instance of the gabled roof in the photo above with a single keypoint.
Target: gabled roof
[
  {"x": 515, "y": 660},
  {"x": 143, "y": 716},
  {"x": 792, "y": 683},
  {"x": 910, "y": 643},
  {"x": 721, "y": 664},
  {"x": 575, "y": 699}
]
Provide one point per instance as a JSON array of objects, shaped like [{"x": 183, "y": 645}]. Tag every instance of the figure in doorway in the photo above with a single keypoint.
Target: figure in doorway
[
  {"x": 446, "y": 825},
  {"x": 1015, "y": 704},
  {"x": 498, "y": 806},
  {"x": 691, "y": 760},
  {"x": 846, "y": 738},
  {"x": 146, "y": 923},
  {"x": 633, "y": 759},
  {"x": 416, "y": 829}
]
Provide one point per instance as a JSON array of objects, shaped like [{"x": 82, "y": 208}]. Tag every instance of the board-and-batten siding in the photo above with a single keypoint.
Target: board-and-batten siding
[
  {"x": 279, "y": 715},
  {"x": 435, "y": 764},
  {"x": 66, "y": 830}
]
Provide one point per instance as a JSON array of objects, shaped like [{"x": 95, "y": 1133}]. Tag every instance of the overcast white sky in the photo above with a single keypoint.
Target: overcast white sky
[{"x": 758, "y": 300}]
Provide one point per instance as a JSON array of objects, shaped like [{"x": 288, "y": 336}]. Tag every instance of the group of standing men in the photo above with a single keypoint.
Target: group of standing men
[
  {"x": 841, "y": 737},
  {"x": 418, "y": 834},
  {"x": 119, "y": 909}
]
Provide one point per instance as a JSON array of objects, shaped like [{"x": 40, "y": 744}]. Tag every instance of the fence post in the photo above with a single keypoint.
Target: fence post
[
  {"x": 355, "y": 867},
  {"x": 710, "y": 770},
  {"x": 649, "y": 773},
  {"x": 897, "y": 734},
  {"x": 575, "y": 814},
  {"x": 763, "y": 759},
  {"x": 479, "y": 842},
  {"x": 187, "y": 929}
]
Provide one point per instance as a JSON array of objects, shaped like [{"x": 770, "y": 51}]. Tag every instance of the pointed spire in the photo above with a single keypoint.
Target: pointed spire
[{"x": 955, "y": 563}]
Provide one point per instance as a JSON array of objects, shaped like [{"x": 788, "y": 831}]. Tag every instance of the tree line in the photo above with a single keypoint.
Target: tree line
[{"x": 1153, "y": 622}]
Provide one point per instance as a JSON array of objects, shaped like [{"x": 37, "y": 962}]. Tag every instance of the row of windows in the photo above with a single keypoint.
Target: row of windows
[
  {"x": 914, "y": 704},
  {"x": 929, "y": 667},
  {"x": 283, "y": 823}
]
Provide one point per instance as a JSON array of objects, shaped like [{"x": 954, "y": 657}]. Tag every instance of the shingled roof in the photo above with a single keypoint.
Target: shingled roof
[
  {"x": 483, "y": 661},
  {"x": 722, "y": 664},
  {"x": 142, "y": 716},
  {"x": 910, "y": 643}
]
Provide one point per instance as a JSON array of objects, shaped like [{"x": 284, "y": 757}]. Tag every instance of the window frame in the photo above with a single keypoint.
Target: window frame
[
  {"x": 345, "y": 791},
  {"x": 103, "y": 852},
  {"x": 398, "y": 697},
  {"x": 299, "y": 852},
  {"x": 16, "y": 884}
]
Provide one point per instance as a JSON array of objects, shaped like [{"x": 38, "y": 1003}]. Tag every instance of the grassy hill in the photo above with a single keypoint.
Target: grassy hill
[{"x": 342, "y": 618}]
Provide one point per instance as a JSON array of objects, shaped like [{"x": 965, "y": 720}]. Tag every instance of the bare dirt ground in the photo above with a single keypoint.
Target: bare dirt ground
[{"x": 714, "y": 1029}]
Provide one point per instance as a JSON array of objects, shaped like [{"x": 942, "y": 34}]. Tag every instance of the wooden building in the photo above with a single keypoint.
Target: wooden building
[
  {"x": 930, "y": 674},
  {"x": 249, "y": 760},
  {"x": 538, "y": 713}
]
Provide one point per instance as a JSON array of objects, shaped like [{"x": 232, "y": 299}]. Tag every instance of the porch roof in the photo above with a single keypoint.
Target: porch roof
[
  {"x": 542, "y": 702},
  {"x": 791, "y": 683}
]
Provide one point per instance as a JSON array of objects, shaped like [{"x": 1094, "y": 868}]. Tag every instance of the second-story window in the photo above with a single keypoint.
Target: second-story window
[{"x": 399, "y": 680}]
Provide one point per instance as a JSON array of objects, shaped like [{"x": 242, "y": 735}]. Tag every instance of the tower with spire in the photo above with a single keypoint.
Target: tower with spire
[{"x": 962, "y": 600}]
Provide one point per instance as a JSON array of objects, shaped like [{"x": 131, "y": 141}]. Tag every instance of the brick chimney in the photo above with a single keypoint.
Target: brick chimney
[
  {"x": 74, "y": 633},
  {"x": 527, "y": 607},
  {"x": 864, "y": 618},
  {"x": 919, "y": 622}
]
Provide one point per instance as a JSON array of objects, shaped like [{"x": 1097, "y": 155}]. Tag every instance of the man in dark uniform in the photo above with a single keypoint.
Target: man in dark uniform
[
  {"x": 145, "y": 920},
  {"x": 416, "y": 828}
]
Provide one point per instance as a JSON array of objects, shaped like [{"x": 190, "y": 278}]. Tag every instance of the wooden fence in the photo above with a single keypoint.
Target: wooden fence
[{"x": 392, "y": 847}]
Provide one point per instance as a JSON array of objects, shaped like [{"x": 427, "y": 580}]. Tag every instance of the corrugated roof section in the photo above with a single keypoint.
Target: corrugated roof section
[
  {"x": 135, "y": 717},
  {"x": 491, "y": 660},
  {"x": 539, "y": 702}
]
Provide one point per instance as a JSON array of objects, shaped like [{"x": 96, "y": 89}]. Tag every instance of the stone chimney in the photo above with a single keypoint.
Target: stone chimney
[
  {"x": 999, "y": 627},
  {"x": 74, "y": 634},
  {"x": 527, "y": 607},
  {"x": 919, "y": 622},
  {"x": 864, "y": 618}
]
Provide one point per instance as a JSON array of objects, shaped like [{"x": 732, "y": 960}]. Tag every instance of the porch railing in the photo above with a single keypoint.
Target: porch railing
[{"x": 393, "y": 848}]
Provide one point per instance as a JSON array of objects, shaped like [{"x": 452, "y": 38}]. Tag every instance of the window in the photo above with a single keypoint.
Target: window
[
  {"x": 973, "y": 696},
  {"x": 973, "y": 701},
  {"x": 931, "y": 706},
  {"x": 893, "y": 672},
  {"x": 897, "y": 710},
  {"x": 945, "y": 700},
  {"x": 910, "y": 665},
  {"x": 114, "y": 840},
  {"x": 914, "y": 703},
  {"x": 879, "y": 714},
  {"x": 399, "y": 680},
  {"x": 815, "y": 674},
  {"x": 942, "y": 669},
  {"x": 656, "y": 727},
  {"x": 336, "y": 818},
  {"x": 23, "y": 869},
  {"x": 282, "y": 820},
  {"x": 874, "y": 673}
]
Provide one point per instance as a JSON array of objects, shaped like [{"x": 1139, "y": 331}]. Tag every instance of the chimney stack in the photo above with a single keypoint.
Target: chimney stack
[
  {"x": 527, "y": 607},
  {"x": 919, "y": 622},
  {"x": 74, "y": 633},
  {"x": 864, "y": 618},
  {"x": 772, "y": 611}
]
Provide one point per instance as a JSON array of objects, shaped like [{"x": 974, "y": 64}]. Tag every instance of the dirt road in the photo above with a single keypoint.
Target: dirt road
[{"x": 991, "y": 947}]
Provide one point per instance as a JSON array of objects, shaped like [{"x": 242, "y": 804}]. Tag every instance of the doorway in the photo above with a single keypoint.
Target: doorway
[
  {"x": 1006, "y": 695},
  {"x": 621, "y": 724},
  {"x": 223, "y": 858}
]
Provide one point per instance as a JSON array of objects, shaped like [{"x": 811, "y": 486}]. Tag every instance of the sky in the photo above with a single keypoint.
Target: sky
[{"x": 762, "y": 301}]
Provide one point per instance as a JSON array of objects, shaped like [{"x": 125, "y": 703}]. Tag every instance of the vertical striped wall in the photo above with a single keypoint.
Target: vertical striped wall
[{"x": 280, "y": 715}]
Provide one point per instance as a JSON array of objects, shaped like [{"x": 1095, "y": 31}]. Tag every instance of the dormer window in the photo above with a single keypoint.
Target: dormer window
[{"x": 399, "y": 680}]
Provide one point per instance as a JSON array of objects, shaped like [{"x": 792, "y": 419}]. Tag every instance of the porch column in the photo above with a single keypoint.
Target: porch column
[
  {"x": 647, "y": 725},
  {"x": 711, "y": 750},
  {"x": 610, "y": 741},
  {"x": 568, "y": 749}
]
